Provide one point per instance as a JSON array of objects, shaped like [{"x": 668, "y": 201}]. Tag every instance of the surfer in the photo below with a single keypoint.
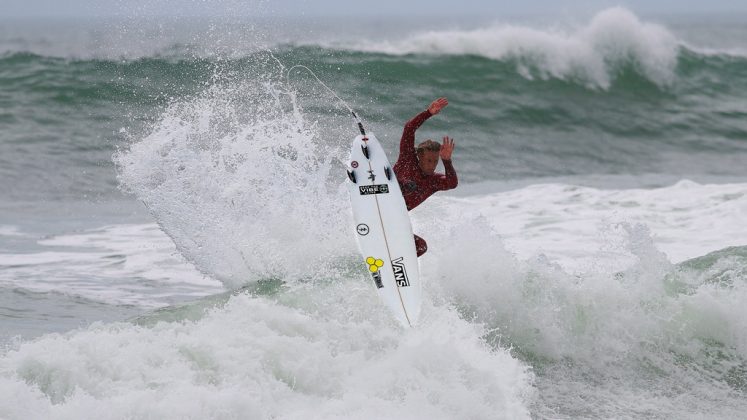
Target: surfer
[{"x": 416, "y": 166}]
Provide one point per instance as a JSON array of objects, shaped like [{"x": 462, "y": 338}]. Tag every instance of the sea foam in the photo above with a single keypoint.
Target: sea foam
[
  {"x": 306, "y": 357},
  {"x": 625, "y": 313}
]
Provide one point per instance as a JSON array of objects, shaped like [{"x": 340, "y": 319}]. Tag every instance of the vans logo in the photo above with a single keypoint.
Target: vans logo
[
  {"x": 400, "y": 275},
  {"x": 374, "y": 189}
]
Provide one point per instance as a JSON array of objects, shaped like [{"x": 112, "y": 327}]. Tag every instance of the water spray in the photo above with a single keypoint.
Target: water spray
[{"x": 357, "y": 120}]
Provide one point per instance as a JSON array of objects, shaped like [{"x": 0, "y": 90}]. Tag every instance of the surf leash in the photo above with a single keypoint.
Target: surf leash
[{"x": 357, "y": 120}]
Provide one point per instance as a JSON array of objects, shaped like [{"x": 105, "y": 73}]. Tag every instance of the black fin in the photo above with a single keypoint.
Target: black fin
[
  {"x": 388, "y": 173},
  {"x": 364, "y": 148},
  {"x": 351, "y": 175}
]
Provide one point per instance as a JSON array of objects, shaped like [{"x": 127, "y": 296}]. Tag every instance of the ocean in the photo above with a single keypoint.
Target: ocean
[{"x": 176, "y": 239}]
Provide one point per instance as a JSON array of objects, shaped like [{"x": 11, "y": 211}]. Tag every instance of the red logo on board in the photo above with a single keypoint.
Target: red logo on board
[{"x": 354, "y": 164}]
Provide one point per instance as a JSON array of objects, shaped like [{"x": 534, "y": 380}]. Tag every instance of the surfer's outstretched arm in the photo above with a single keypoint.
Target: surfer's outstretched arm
[{"x": 407, "y": 144}]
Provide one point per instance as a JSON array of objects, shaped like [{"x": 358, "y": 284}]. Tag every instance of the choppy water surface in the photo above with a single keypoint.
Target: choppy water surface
[{"x": 175, "y": 239}]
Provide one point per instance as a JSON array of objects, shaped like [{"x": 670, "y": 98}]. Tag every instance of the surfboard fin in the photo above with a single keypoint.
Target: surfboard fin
[
  {"x": 388, "y": 173},
  {"x": 364, "y": 148},
  {"x": 351, "y": 175}
]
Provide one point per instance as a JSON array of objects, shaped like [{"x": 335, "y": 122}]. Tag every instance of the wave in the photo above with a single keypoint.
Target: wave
[
  {"x": 626, "y": 69},
  {"x": 613, "y": 36},
  {"x": 501, "y": 337},
  {"x": 615, "y": 41},
  {"x": 594, "y": 52},
  {"x": 303, "y": 357},
  {"x": 594, "y": 333},
  {"x": 623, "y": 67},
  {"x": 558, "y": 127},
  {"x": 609, "y": 35},
  {"x": 616, "y": 96}
]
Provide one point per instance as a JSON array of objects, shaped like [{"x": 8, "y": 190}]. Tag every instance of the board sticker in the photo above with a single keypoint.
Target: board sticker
[
  {"x": 362, "y": 229},
  {"x": 373, "y": 266},
  {"x": 374, "y": 189},
  {"x": 400, "y": 275}
]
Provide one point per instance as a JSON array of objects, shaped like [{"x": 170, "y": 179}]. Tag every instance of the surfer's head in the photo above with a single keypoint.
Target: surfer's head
[{"x": 428, "y": 154}]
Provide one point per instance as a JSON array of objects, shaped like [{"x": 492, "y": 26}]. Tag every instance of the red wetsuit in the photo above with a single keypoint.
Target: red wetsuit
[{"x": 416, "y": 185}]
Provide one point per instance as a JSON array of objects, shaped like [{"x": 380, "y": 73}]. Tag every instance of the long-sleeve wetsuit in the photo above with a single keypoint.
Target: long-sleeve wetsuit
[{"x": 416, "y": 185}]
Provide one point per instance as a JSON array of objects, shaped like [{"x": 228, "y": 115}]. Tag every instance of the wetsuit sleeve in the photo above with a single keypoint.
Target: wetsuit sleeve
[
  {"x": 407, "y": 144},
  {"x": 449, "y": 180}
]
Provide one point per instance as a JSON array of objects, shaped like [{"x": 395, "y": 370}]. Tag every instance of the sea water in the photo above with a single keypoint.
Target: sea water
[{"x": 176, "y": 242}]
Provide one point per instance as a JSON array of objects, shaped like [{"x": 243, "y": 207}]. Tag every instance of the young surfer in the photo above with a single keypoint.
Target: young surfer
[{"x": 415, "y": 167}]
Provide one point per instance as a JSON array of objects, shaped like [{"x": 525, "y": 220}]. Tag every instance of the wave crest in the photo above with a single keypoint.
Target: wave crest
[{"x": 613, "y": 39}]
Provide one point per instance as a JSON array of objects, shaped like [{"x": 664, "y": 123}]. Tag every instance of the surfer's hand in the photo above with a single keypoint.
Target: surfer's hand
[
  {"x": 446, "y": 148},
  {"x": 437, "y": 105}
]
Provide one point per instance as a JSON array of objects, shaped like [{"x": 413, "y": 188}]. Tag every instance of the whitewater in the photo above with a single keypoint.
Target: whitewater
[{"x": 184, "y": 249}]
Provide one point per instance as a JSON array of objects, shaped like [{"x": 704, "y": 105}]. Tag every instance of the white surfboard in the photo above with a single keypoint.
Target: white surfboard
[{"x": 383, "y": 229}]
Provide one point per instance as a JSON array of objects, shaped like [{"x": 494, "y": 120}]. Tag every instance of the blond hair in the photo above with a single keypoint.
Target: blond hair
[{"x": 428, "y": 146}]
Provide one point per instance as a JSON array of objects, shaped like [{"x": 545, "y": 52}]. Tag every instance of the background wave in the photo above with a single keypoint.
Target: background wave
[{"x": 514, "y": 118}]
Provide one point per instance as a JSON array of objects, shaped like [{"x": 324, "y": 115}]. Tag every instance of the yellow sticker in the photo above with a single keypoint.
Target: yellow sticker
[{"x": 374, "y": 264}]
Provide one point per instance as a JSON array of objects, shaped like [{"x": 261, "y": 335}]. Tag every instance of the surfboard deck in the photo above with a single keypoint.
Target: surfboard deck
[{"x": 383, "y": 229}]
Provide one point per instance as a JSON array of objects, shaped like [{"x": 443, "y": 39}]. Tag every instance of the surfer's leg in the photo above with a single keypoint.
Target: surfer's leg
[{"x": 420, "y": 245}]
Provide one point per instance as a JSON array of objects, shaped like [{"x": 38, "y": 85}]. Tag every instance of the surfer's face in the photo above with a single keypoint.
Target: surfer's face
[{"x": 428, "y": 160}]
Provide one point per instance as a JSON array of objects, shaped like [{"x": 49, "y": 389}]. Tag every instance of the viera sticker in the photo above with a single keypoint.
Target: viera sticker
[{"x": 374, "y": 189}]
